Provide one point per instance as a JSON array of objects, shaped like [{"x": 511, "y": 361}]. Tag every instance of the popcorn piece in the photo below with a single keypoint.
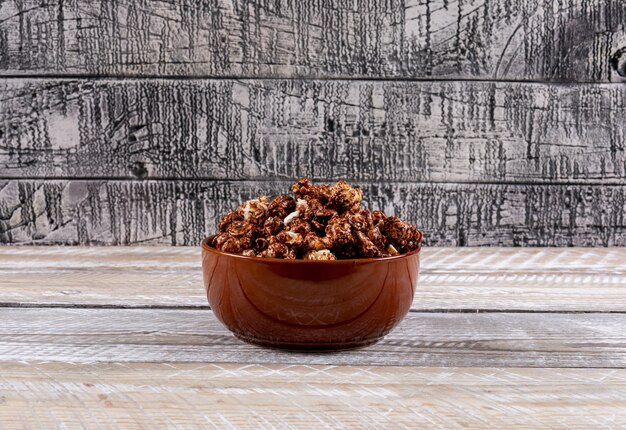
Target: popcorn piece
[
  {"x": 246, "y": 242},
  {"x": 275, "y": 250},
  {"x": 231, "y": 245},
  {"x": 290, "y": 238},
  {"x": 300, "y": 226},
  {"x": 249, "y": 253},
  {"x": 318, "y": 226},
  {"x": 313, "y": 242},
  {"x": 356, "y": 208},
  {"x": 227, "y": 220},
  {"x": 403, "y": 236},
  {"x": 343, "y": 196},
  {"x": 211, "y": 240},
  {"x": 378, "y": 218},
  {"x": 293, "y": 215},
  {"x": 240, "y": 229},
  {"x": 254, "y": 211},
  {"x": 339, "y": 231},
  {"x": 392, "y": 250},
  {"x": 318, "y": 217},
  {"x": 359, "y": 221},
  {"x": 282, "y": 206},
  {"x": 346, "y": 252},
  {"x": 261, "y": 244},
  {"x": 374, "y": 234},
  {"x": 325, "y": 213},
  {"x": 397, "y": 230},
  {"x": 291, "y": 254},
  {"x": 302, "y": 206},
  {"x": 415, "y": 241},
  {"x": 323, "y": 254},
  {"x": 368, "y": 249},
  {"x": 273, "y": 225},
  {"x": 301, "y": 187},
  {"x": 313, "y": 211},
  {"x": 219, "y": 240},
  {"x": 418, "y": 237},
  {"x": 304, "y": 188}
]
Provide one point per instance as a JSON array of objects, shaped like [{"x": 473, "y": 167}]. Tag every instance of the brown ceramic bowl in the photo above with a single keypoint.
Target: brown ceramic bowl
[{"x": 297, "y": 304}]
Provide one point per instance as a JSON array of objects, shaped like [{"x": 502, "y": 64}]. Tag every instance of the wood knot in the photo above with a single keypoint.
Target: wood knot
[
  {"x": 138, "y": 169},
  {"x": 330, "y": 125},
  {"x": 618, "y": 62}
]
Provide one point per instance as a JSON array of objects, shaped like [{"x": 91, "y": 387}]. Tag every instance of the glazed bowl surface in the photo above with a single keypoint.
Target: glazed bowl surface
[{"x": 306, "y": 304}]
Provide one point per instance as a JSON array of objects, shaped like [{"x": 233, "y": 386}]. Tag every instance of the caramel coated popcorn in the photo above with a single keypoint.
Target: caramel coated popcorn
[{"x": 322, "y": 222}]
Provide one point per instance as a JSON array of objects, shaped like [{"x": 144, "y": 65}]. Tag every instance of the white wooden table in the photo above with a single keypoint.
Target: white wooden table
[{"x": 497, "y": 338}]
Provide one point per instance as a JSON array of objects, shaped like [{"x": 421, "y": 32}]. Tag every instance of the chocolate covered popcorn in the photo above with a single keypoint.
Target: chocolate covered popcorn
[{"x": 322, "y": 222}]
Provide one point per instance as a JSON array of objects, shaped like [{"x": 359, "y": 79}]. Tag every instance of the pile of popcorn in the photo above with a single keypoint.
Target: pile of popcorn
[{"x": 323, "y": 222}]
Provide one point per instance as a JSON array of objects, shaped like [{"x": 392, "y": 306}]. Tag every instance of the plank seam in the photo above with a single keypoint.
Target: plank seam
[
  {"x": 278, "y": 180},
  {"x": 17, "y": 305},
  {"x": 147, "y": 77}
]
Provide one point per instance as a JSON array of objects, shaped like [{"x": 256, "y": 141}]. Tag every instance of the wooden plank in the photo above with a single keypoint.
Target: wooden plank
[
  {"x": 510, "y": 39},
  {"x": 182, "y": 213},
  {"x": 283, "y": 129},
  {"x": 218, "y": 395},
  {"x": 529, "y": 279},
  {"x": 422, "y": 339}
]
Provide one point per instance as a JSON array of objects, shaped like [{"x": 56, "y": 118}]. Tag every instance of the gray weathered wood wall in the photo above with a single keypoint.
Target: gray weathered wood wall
[{"x": 485, "y": 122}]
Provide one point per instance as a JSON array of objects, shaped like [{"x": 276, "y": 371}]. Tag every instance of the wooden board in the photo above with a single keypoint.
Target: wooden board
[
  {"x": 104, "y": 367},
  {"x": 219, "y": 395},
  {"x": 485, "y": 279},
  {"x": 422, "y": 339},
  {"x": 504, "y": 39},
  {"x": 282, "y": 129},
  {"x": 182, "y": 213}
]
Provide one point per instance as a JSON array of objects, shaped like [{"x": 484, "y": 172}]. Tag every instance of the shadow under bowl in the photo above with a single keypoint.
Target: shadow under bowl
[{"x": 305, "y": 304}]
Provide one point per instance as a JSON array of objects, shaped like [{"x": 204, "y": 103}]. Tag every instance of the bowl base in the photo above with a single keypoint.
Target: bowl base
[{"x": 304, "y": 346}]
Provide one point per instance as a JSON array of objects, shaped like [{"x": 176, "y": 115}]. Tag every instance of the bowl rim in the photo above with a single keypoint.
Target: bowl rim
[{"x": 206, "y": 247}]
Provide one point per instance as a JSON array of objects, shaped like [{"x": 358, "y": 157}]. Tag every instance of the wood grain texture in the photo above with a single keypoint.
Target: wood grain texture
[
  {"x": 183, "y": 213},
  {"x": 219, "y": 395},
  {"x": 509, "y": 39},
  {"x": 530, "y": 279},
  {"x": 422, "y": 339},
  {"x": 282, "y": 129}
]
